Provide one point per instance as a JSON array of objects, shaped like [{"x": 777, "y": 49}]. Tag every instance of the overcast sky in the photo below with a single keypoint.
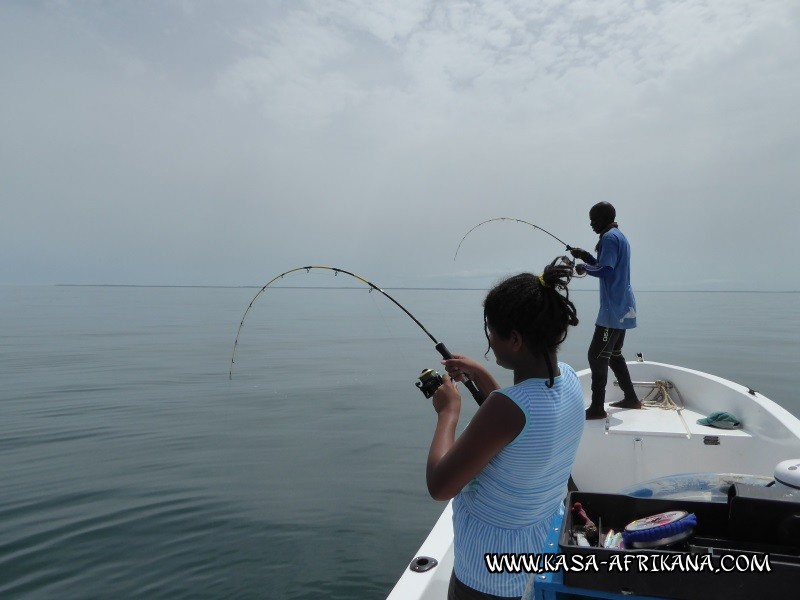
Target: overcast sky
[{"x": 221, "y": 143}]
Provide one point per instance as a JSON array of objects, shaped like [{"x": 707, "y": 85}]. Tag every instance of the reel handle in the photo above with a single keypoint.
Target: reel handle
[{"x": 473, "y": 389}]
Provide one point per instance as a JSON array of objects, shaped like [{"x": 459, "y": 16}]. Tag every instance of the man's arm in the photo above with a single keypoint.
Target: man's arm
[
  {"x": 598, "y": 271},
  {"x": 583, "y": 255}
]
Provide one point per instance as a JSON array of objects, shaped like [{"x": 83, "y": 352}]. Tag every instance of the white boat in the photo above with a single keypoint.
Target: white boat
[{"x": 634, "y": 446}]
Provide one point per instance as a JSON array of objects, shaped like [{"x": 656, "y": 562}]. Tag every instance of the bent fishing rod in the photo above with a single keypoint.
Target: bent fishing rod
[
  {"x": 440, "y": 347},
  {"x": 542, "y": 229}
]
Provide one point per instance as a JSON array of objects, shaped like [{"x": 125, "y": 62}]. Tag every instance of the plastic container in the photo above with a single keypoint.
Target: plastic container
[{"x": 659, "y": 572}]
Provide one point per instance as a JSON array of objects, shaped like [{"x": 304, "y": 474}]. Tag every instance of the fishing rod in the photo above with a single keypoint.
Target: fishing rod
[
  {"x": 542, "y": 229},
  {"x": 440, "y": 347}
]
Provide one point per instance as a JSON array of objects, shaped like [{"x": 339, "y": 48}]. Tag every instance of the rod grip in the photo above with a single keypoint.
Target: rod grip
[{"x": 473, "y": 389}]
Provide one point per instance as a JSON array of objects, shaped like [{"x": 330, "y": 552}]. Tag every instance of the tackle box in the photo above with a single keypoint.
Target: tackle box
[{"x": 727, "y": 535}]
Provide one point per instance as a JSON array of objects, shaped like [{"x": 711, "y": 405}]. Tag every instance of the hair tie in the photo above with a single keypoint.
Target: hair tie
[{"x": 542, "y": 282}]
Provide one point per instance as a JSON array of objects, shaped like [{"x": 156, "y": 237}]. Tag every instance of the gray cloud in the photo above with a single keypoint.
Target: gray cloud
[{"x": 196, "y": 143}]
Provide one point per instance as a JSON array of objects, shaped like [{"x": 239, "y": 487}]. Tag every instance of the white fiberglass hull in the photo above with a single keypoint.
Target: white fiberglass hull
[{"x": 632, "y": 446}]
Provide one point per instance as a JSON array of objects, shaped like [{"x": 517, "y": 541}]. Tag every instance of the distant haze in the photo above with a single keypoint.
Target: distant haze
[{"x": 221, "y": 143}]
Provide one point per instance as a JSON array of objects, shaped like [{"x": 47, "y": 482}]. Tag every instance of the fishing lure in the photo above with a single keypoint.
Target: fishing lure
[
  {"x": 440, "y": 347},
  {"x": 568, "y": 247}
]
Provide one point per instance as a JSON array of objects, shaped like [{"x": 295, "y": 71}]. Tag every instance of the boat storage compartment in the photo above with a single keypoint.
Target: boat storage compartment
[
  {"x": 721, "y": 559},
  {"x": 765, "y": 514}
]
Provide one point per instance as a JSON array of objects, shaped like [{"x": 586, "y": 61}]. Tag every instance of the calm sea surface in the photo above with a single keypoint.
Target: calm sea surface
[{"x": 133, "y": 467}]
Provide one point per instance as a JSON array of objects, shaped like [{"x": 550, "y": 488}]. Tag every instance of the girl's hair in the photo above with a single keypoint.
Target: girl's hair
[{"x": 537, "y": 306}]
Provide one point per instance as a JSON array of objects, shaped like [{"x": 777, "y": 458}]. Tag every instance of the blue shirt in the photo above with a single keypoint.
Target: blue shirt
[
  {"x": 613, "y": 268},
  {"x": 508, "y": 507}
]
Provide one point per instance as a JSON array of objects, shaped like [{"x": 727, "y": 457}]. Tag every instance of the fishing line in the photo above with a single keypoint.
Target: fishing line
[
  {"x": 568, "y": 247},
  {"x": 391, "y": 334},
  {"x": 440, "y": 347}
]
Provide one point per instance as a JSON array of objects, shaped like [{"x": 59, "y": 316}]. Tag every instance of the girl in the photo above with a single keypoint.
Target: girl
[{"x": 508, "y": 470}]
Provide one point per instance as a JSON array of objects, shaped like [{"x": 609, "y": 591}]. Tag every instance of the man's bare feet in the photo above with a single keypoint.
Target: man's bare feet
[
  {"x": 627, "y": 403},
  {"x": 593, "y": 415}
]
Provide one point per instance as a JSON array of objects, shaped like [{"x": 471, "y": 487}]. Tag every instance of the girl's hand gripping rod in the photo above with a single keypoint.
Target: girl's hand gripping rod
[{"x": 473, "y": 389}]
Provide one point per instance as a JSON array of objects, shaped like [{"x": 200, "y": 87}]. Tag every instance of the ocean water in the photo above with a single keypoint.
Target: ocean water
[{"x": 134, "y": 467}]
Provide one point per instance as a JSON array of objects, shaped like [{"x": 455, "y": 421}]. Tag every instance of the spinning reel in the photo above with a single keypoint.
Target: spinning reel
[{"x": 429, "y": 382}]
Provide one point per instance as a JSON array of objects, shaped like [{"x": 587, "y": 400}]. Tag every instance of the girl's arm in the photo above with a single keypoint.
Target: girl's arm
[{"x": 452, "y": 463}]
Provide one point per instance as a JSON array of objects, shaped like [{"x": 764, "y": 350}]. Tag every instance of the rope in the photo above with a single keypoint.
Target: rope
[{"x": 661, "y": 397}]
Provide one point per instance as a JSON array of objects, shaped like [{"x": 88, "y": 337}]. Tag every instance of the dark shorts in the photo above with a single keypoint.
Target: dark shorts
[
  {"x": 606, "y": 343},
  {"x": 459, "y": 591},
  {"x": 606, "y": 351}
]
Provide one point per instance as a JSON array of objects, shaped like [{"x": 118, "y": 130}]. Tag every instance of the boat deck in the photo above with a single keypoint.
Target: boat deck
[
  {"x": 660, "y": 422},
  {"x": 632, "y": 448}
]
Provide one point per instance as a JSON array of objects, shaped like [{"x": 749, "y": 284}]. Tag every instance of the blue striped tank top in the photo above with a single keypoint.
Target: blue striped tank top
[{"x": 508, "y": 507}]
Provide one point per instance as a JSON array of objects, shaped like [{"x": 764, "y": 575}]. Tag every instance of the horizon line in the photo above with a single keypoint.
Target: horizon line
[{"x": 402, "y": 287}]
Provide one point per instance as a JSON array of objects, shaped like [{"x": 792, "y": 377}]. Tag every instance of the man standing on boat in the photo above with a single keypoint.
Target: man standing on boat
[{"x": 617, "y": 308}]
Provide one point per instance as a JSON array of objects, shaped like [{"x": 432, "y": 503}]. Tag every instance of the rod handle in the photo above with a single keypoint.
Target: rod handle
[{"x": 473, "y": 389}]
